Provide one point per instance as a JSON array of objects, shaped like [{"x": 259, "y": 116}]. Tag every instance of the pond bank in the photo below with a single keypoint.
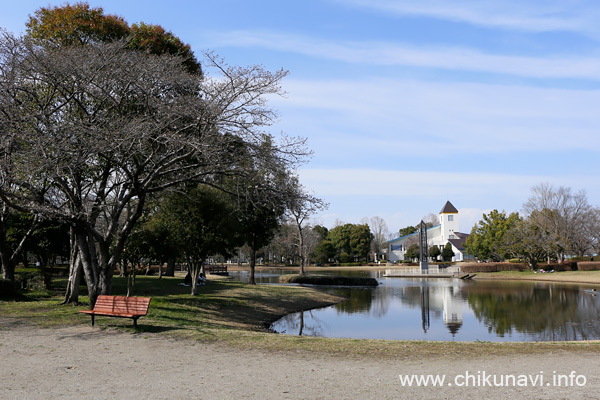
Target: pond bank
[{"x": 578, "y": 277}]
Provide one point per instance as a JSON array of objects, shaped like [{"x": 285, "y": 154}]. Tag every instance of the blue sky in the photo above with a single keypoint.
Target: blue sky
[{"x": 407, "y": 104}]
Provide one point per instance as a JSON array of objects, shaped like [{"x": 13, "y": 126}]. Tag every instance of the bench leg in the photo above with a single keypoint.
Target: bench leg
[
  {"x": 135, "y": 322},
  {"x": 93, "y": 319}
]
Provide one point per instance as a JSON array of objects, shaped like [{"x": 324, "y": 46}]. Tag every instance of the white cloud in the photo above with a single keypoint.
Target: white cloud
[
  {"x": 390, "y": 54},
  {"x": 469, "y": 217},
  {"x": 388, "y": 115},
  {"x": 402, "y": 197},
  {"x": 404, "y": 183},
  {"x": 524, "y": 15}
]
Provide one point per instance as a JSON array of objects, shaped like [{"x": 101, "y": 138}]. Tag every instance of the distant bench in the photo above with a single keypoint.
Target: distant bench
[
  {"x": 217, "y": 269},
  {"x": 120, "y": 306}
]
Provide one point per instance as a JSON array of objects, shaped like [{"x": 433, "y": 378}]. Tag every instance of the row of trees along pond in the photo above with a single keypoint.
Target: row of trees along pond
[
  {"x": 105, "y": 125},
  {"x": 555, "y": 223}
]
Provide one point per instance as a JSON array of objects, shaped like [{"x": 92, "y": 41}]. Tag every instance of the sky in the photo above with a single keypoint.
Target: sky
[{"x": 407, "y": 104}]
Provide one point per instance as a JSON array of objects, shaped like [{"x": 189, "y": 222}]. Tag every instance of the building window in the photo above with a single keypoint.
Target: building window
[{"x": 450, "y": 217}]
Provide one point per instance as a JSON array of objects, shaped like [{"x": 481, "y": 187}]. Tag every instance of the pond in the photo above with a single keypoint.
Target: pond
[{"x": 450, "y": 309}]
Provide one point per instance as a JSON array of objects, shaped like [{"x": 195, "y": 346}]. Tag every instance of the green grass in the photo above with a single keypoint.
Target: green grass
[{"x": 220, "y": 306}]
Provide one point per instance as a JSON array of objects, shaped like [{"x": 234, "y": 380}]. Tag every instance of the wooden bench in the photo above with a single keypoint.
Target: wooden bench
[
  {"x": 120, "y": 306},
  {"x": 218, "y": 270}
]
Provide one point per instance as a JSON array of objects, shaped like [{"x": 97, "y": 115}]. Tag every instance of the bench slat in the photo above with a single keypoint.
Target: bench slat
[{"x": 120, "y": 306}]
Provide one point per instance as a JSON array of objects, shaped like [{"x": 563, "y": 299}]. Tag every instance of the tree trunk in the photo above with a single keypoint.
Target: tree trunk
[
  {"x": 8, "y": 267},
  {"x": 251, "y": 279},
  {"x": 170, "y": 267},
  {"x": 122, "y": 268},
  {"x": 75, "y": 273},
  {"x": 131, "y": 280},
  {"x": 301, "y": 252},
  {"x": 195, "y": 272},
  {"x": 90, "y": 270}
]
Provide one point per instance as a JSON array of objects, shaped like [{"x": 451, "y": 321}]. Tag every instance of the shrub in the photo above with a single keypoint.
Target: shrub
[
  {"x": 31, "y": 279},
  {"x": 588, "y": 266},
  {"x": 346, "y": 258},
  {"x": 478, "y": 267},
  {"x": 512, "y": 267},
  {"x": 329, "y": 280},
  {"x": 7, "y": 289},
  {"x": 492, "y": 267},
  {"x": 565, "y": 266}
]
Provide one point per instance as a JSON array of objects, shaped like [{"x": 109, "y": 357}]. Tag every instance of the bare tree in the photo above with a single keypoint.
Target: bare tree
[
  {"x": 431, "y": 220},
  {"x": 564, "y": 215},
  {"x": 89, "y": 132},
  {"x": 284, "y": 242},
  {"x": 585, "y": 239},
  {"x": 380, "y": 234},
  {"x": 301, "y": 207}
]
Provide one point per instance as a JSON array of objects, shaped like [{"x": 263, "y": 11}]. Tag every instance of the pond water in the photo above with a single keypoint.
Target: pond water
[{"x": 450, "y": 309}]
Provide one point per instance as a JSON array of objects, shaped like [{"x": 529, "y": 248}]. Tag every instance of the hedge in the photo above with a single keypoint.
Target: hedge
[
  {"x": 588, "y": 266},
  {"x": 565, "y": 266},
  {"x": 328, "y": 280},
  {"x": 492, "y": 267}
]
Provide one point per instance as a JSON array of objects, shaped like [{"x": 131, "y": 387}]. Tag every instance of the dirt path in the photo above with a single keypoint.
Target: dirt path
[{"x": 89, "y": 363}]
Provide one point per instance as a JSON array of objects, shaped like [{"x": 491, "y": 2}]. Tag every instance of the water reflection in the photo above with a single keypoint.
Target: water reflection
[
  {"x": 543, "y": 312},
  {"x": 454, "y": 310}
]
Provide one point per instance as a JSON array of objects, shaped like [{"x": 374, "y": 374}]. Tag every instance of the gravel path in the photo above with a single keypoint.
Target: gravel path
[{"x": 89, "y": 363}]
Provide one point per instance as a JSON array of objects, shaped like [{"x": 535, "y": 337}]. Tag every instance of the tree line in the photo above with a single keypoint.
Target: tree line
[{"x": 555, "y": 223}]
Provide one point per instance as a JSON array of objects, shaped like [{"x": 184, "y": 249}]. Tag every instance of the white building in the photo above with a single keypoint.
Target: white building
[{"x": 445, "y": 232}]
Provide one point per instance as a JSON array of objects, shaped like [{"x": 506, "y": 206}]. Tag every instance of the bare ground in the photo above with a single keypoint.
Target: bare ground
[{"x": 82, "y": 362}]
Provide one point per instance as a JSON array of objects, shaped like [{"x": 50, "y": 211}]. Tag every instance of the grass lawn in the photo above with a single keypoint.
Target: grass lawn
[{"x": 236, "y": 315}]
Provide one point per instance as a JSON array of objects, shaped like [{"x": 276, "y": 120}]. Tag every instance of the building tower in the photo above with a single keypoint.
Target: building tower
[{"x": 449, "y": 222}]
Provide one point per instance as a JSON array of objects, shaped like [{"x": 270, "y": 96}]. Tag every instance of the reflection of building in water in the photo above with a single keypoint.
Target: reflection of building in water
[
  {"x": 453, "y": 314},
  {"x": 445, "y": 298}
]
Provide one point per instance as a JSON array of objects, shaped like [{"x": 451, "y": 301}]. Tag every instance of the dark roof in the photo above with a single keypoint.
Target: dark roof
[
  {"x": 462, "y": 236},
  {"x": 458, "y": 243},
  {"x": 449, "y": 208},
  {"x": 453, "y": 327}
]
